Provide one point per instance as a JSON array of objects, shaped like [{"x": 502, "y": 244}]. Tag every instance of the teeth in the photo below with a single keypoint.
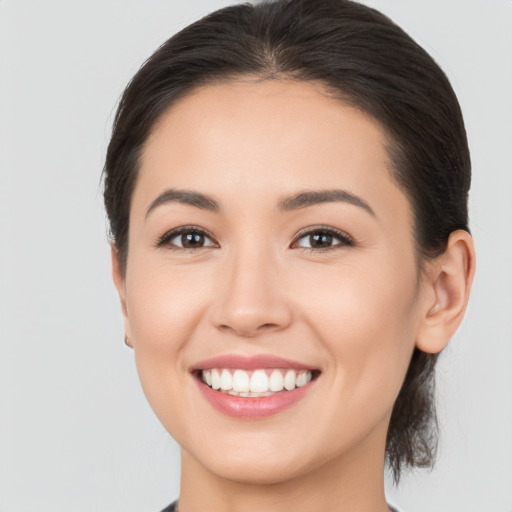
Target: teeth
[
  {"x": 240, "y": 381},
  {"x": 250, "y": 393},
  {"x": 303, "y": 378},
  {"x": 215, "y": 379},
  {"x": 256, "y": 383},
  {"x": 276, "y": 381},
  {"x": 289, "y": 380},
  {"x": 259, "y": 382},
  {"x": 226, "y": 380}
]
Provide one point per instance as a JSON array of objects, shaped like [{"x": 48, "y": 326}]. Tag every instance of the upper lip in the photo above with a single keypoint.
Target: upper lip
[{"x": 243, "y": 362}]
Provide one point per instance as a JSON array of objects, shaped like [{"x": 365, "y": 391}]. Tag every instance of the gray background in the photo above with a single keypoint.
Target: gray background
[{"x": 76, "y": 433}]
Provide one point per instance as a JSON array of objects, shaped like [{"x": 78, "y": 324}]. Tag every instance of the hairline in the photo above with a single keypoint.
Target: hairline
[{"x": 391, "y": 145}]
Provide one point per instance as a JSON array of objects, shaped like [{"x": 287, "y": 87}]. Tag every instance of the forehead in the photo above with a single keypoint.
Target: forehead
[{"x": 266, "y": 138}]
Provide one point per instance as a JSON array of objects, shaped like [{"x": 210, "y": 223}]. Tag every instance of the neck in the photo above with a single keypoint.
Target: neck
[{"x": 353, "y": 481}]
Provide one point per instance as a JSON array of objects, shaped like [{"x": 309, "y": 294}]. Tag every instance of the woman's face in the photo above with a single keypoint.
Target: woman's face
[{"x": 292, "y": 241}]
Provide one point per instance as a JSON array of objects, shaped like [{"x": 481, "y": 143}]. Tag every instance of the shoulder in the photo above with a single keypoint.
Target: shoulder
[{"x": 171, "y": 507}]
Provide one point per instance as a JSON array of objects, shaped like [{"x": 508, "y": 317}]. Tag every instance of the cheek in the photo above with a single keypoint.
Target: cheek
[
  {"x": 365, "y": 319},
  {"x": 164, "y": 309},
  {"x": 358, "y": 315},
  {"x": 370, "y": 302},
  {"x": 163, "y": 303}
]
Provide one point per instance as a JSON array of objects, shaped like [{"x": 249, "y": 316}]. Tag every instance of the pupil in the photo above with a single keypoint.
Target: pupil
[
  {"x": 321, "y": 240},
  {"x": 190, "y": 240}
]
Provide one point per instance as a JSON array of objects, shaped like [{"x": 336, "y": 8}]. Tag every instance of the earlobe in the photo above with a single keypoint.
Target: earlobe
[
  {"x": 119, "y": 282},
  {"x": 450, "y": 279}
]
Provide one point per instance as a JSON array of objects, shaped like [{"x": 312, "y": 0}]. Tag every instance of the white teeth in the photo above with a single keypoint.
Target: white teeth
[
  {"x": 259, "y": 382},
  {"x": 276, "y": 381},
  {"x": 248, "y": 394},
  {"x": 240, "y": 381},
  {"x": 289, "y": 380},
  {"x": 215, "y": 379},
  {"x": 302, "y": 379},
  {"x": 226, "y": 380}
]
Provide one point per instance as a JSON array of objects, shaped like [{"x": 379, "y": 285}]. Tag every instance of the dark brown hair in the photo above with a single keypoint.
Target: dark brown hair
[{"x": 363, "y": 59}]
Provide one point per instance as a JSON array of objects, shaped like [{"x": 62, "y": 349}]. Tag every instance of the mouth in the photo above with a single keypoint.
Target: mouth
[
  {"x": 253, "y": 387},
  {"x": 255, "y": 383}
]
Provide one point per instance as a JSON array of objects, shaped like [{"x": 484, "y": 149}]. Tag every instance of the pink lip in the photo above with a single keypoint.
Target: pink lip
[
  {"x": 261, "y": 361},
  {"x": 252, "y": 408}
]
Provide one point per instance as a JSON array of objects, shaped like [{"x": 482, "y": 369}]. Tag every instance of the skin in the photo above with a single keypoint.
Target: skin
[{"x": 354, "y": 310}]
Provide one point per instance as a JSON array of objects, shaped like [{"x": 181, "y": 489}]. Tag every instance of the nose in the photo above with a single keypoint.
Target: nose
[{"x": 250, "y": 296}]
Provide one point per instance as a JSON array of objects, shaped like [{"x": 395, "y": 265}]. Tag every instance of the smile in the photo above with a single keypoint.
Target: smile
[
  {"x": 255, "y": 383},
  {"x": 253, "y": 387}
]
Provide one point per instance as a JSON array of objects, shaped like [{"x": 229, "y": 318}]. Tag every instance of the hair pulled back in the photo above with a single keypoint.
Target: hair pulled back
[{"x": 363, "y": 59}]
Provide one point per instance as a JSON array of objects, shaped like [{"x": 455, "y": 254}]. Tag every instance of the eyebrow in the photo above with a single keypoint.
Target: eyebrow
[
  {"x": 295, "y": 202},
  {"x": 196, "y": 199},
  {"x": 313, "y": 197}
]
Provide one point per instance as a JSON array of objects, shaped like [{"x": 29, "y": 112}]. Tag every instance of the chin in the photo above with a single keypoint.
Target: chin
[
  {"x": 255, "y": 472},
  {"x": 251, "y": 460}
]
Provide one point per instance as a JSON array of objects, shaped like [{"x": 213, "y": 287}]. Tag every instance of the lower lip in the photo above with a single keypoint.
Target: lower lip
[{"x": 255, "y": 407}]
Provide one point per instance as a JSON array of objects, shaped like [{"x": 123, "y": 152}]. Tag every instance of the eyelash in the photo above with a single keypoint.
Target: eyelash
[
  {"x": 164, "y": 241},
  {"x": 344, "y": 239}
]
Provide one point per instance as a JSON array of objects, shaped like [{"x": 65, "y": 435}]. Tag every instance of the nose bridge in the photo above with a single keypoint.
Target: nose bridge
[{"x": 250, "y": 299}]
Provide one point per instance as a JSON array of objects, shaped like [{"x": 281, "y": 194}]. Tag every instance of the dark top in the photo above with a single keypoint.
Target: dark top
[{"x": 172, "y": 508}]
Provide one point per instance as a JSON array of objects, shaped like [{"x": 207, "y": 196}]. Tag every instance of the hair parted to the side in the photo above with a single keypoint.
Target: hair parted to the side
[{"x": 362, "y": 58}]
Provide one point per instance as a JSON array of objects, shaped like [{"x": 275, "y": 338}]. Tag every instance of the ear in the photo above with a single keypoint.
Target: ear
[
  {"x": 449, "y": 281},
  {"x": 120, "y": 284}
]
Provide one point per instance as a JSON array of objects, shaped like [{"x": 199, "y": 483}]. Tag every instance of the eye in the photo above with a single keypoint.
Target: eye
[
  {"x": 186, "y": 237},
  {"x": 323, "y": 238}
]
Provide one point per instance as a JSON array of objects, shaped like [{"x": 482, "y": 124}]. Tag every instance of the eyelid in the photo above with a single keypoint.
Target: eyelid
[
  {"x": 174, "y": 232},
  {"x": 345, "y": 239}
]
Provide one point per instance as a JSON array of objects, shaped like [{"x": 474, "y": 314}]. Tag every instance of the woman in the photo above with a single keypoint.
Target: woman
[{"x": 286, "y": 186}]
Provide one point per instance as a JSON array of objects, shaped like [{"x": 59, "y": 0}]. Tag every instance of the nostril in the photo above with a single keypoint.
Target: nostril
[
  {"x": 246, "y": 331},
  {"x": 268, "y": 326}
]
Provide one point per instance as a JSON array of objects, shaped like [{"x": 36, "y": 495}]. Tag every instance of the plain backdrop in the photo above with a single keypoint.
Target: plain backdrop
[{"x": 76, "y": 433}]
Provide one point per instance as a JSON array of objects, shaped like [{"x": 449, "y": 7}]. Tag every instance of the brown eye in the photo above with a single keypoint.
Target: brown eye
[
  {"x": 322, "y": 239},
  {"x": 186, "y": 238},
  {"x": 191, "y": 240}
]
